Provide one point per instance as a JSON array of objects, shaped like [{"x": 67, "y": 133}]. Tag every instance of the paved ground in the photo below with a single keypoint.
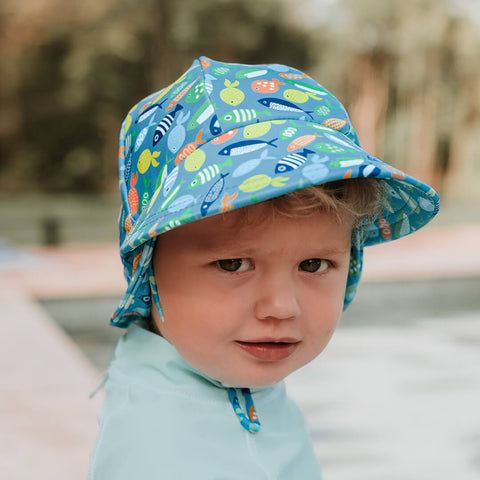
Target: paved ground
[
  {"x": 415, "y": 416},
  {"x": 391, "y": 403}
]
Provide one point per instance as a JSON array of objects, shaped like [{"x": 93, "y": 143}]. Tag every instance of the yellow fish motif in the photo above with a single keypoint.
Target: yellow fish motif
[
  {"x": 194, "y": 161},
  {"x": 297, "y": 96},
  {"x": 128, "y": 122},
  {"x": 257, "y": 182},
  {"x": 258, "y": 129},
  {"x": 232, "y": 95},
  {"x": 146, "y": 158}
]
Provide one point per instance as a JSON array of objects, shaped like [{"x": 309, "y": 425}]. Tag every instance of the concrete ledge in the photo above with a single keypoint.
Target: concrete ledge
[
  {"x": 48, "y": 422},
  {"x": 72, "y": 271},
  {"x": 428, "y": 253}
]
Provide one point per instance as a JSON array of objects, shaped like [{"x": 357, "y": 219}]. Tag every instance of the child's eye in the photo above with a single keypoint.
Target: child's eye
[
  {"x": 314, "y": 265},
  {"x": 236, "y": 265}
]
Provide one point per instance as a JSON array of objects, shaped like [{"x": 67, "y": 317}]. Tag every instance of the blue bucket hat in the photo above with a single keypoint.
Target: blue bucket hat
[{"x": 226, "y": 135}]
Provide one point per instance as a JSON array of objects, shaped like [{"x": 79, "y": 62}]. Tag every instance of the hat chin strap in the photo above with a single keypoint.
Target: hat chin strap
[
  {"x": 154, "y": 292},
  {"x": 248, "y": 420},
  {"x": 355, "y": 267}
]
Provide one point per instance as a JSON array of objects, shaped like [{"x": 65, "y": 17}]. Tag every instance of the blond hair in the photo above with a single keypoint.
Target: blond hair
[{"x": 355, "y": 198}]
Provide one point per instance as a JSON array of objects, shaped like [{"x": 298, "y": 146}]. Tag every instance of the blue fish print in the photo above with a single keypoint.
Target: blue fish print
[
  {"x": 181, "y": 203},
  {"x": 281, "y": 105},
  {"x": 250, "y": 165},
  {"x": 278, "y": 67},
  {"x": 317, "y": 169},
  {"x": 176, "y": 137},
  {"x": 212, "y": 195},
  {"x": 341, "y": 142},
  {"x": 170, "y": 181},
  {"x": 143, "y": 134},
  {"x": 246, "y": 146},
  {"x": 368, "y": 171},
  {"x": 147, "y": 113},
  {"x": 292, "y": 161},
  {"x": 165, "y": 124},
  {"x": 215, "y": 128},
  {"x": 150, "y": 110},
  {"x": 209, "y": 79}
]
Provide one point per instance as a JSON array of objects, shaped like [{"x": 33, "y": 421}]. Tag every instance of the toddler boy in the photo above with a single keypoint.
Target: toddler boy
[{"x": 247, "y": 202}]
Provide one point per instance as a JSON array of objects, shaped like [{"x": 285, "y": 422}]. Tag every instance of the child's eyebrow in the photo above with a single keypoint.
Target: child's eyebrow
[
  {"x": 238, "y": 249},
  {"x": 216, "y": 248},
  {"x": 332, "y": 251}
]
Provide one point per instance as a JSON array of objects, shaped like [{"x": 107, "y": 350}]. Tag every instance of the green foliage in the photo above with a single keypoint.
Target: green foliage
[{"x": 76, "y": 82}]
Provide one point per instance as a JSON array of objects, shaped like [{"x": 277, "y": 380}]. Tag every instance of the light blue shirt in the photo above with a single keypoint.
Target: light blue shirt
[{"x": 162, "y": 419}]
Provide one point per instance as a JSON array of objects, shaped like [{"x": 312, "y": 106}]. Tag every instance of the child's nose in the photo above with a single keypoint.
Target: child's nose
[{"x": 277, "y": 299}]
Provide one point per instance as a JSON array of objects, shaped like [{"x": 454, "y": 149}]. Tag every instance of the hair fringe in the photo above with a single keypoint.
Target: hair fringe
[{"x": 357, "y": 198}]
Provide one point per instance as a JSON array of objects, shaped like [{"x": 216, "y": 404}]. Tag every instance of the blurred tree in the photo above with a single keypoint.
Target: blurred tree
[
  {"x": 410, "y": 74},
  {"x": 87, "y": 64}
]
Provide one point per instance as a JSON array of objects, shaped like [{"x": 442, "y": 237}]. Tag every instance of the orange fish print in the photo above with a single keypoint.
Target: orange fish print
[
  {"x": 302, "y": 141},
  {"x": 145, "y": 106},
  {"x": 226, "y": 202},
  {"x": 397, "y": 174},
  {"x": 205, "y": 63},
  {"x": 385, "y": 227},
  {"x": 266, "y": 86},
  {"x": 133, "y": 195},
  {"x": 128, "y": 223},
  {"x": 223, "y": 138},
  {"x": 252, "y": 414},
  {"x": 335, "y": 123},
  {"x": 135, "y": 262},
  {"x": 293, "y": 76},
  {"x": 153, "y": 230},
  {"x": 188, "y": 149},
  {"x": 181, "y": 94},
  {"x": 121, "y": 152}
]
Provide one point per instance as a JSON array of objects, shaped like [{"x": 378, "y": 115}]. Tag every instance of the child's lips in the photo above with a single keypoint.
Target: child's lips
[{"x": 270, "y": 350}]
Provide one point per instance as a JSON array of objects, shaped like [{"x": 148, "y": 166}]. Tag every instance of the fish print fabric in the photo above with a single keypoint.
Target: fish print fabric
[{"x": 227, "y": 135}]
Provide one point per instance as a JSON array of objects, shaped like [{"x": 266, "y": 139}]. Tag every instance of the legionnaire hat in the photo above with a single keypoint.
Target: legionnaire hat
[{"x": 226, "y": 135}]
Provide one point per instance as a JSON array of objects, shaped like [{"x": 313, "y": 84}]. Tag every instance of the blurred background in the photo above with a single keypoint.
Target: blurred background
[{"x": 408, "y": 73}]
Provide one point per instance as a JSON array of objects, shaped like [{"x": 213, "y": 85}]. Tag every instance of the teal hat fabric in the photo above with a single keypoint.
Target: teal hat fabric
[{"x": 228, "y": 135}]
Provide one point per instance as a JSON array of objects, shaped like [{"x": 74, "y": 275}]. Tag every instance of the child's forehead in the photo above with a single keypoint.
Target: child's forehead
[
  {"x": 246, "y": 227},
  {"x": 227, "y": 225},
  {"x": 232, "y": 222}
]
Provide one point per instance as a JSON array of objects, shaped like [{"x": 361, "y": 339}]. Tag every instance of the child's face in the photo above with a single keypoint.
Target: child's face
[{"x": 248, "y": 305}]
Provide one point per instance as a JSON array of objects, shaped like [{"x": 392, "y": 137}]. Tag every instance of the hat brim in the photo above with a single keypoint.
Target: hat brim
[{"x": 259, "y": 162}]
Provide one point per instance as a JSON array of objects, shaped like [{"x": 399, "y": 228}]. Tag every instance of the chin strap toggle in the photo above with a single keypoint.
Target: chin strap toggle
[{"x": 250, "y": 420}]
